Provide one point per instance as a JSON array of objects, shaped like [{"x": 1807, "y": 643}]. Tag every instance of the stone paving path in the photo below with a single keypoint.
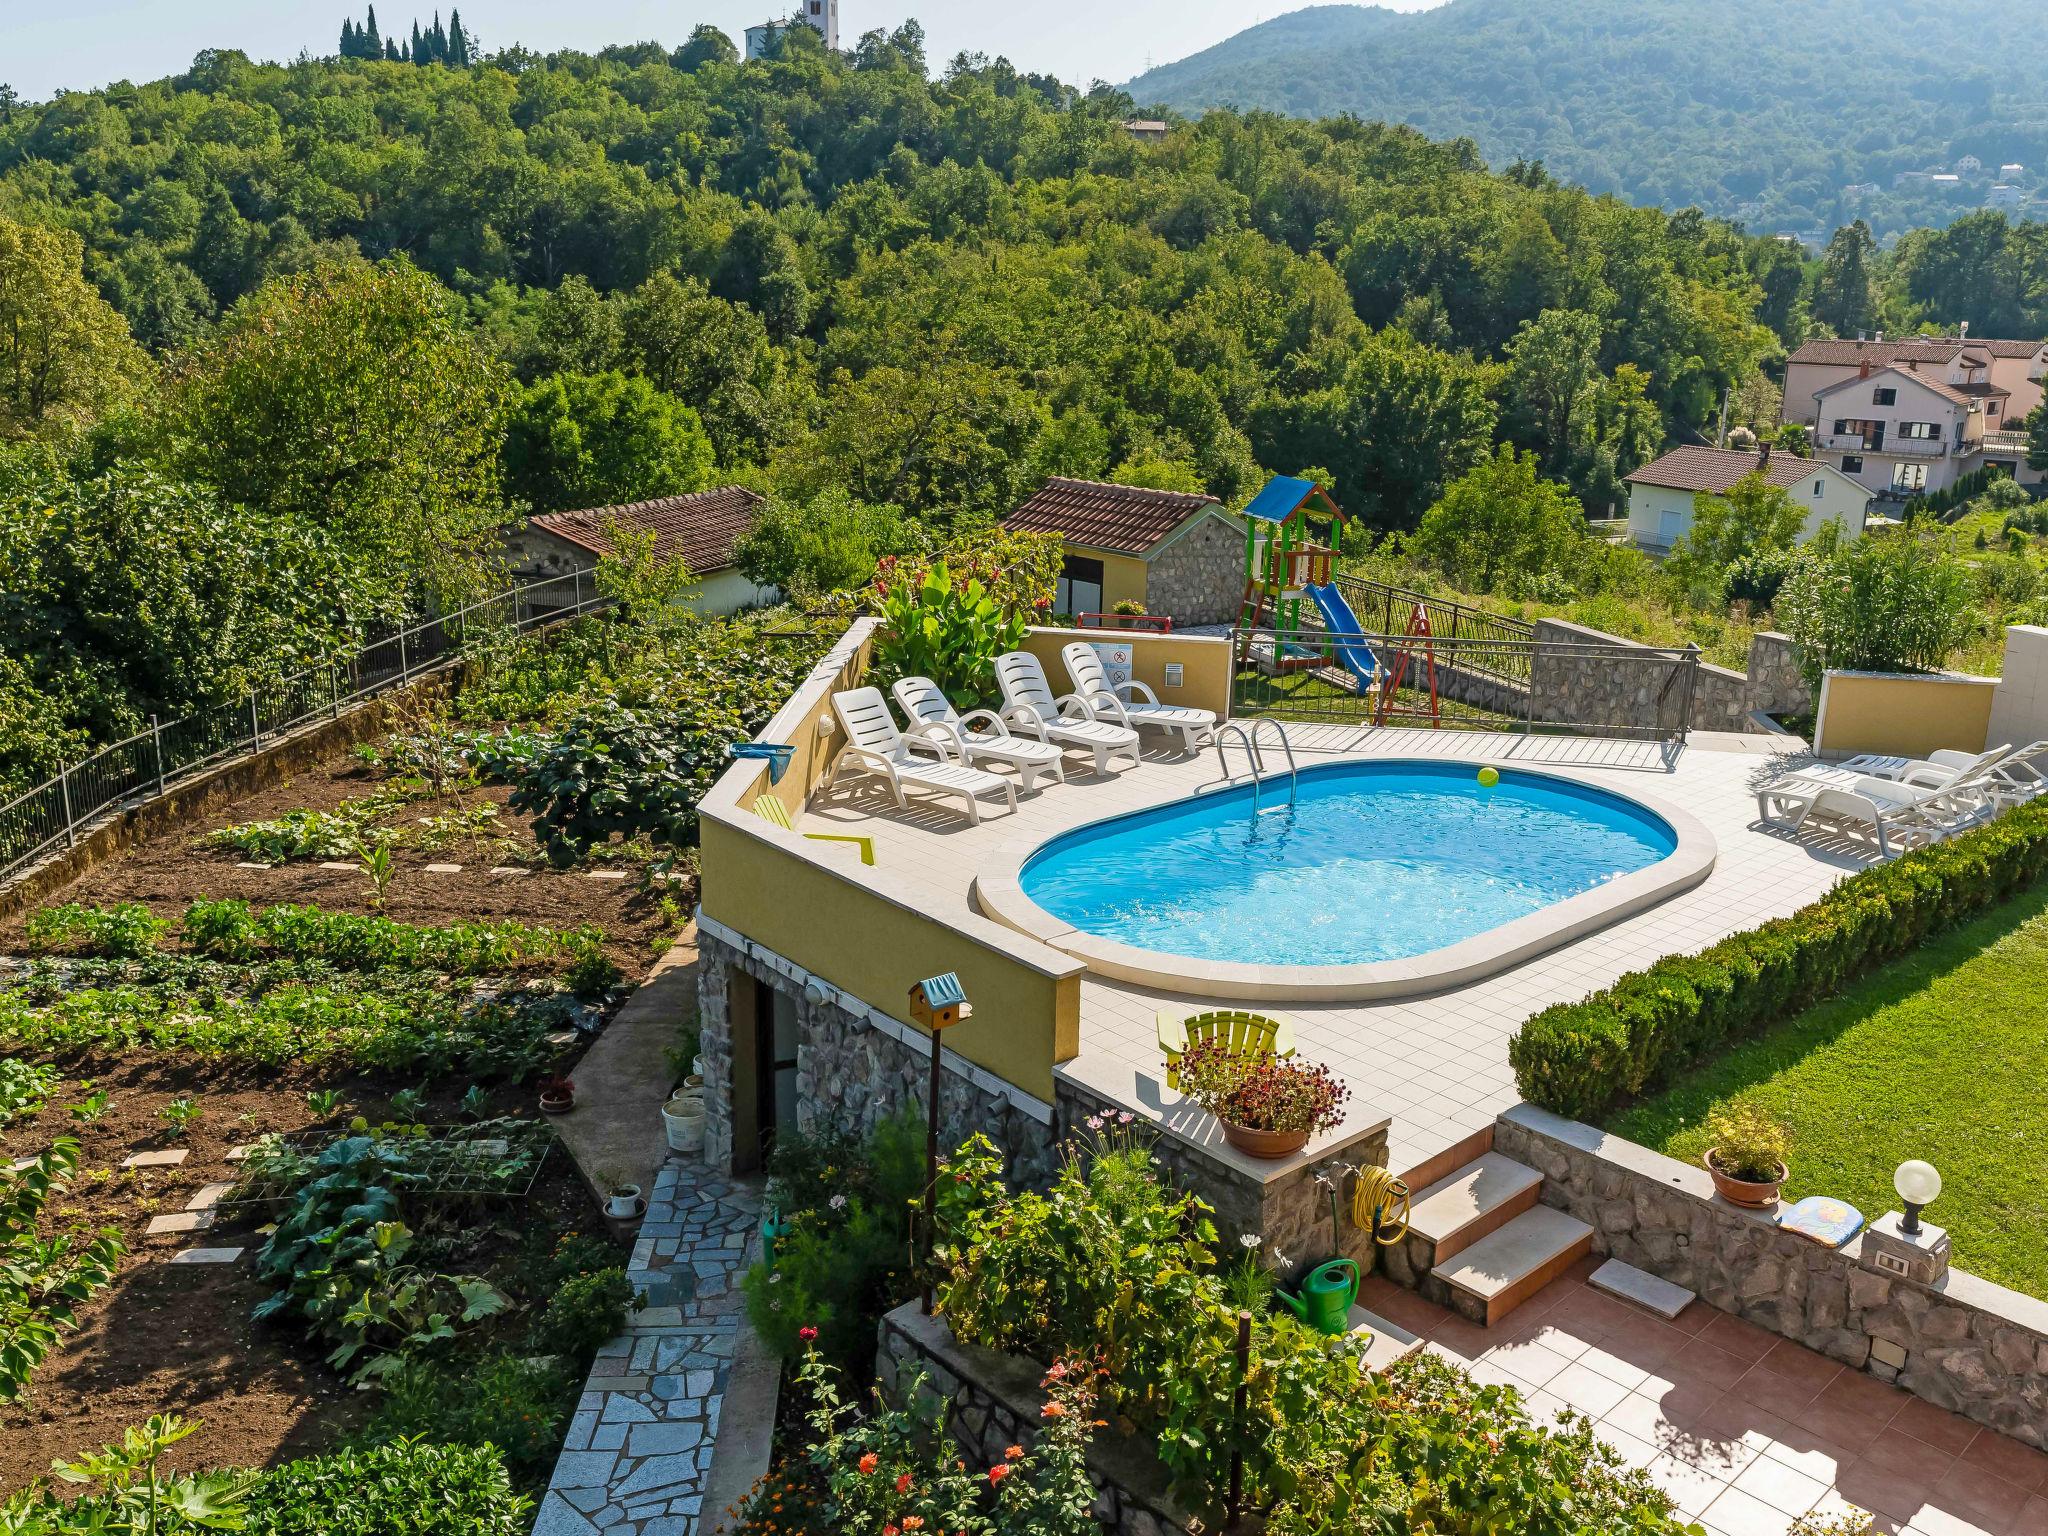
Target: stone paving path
[{"x": 640, "y": 1442}]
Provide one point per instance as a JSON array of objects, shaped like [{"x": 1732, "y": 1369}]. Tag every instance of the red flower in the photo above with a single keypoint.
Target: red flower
[
  {"x": 903, "y": 1483},
  {"x": 869, "y": 1462},
  {"x": 913, "y": 1522},
  {"x": 807, "y": 1333},
  {"x": 997, "y": 1474},
  {"x": 1014, "y": 1453}
]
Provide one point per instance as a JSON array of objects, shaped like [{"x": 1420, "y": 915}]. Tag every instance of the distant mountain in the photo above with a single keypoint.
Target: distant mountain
[{"x": 1779, "y": 112}]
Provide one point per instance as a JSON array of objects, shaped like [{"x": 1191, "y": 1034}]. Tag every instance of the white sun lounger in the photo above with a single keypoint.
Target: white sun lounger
[
  {"x": 1028, "y": 705},
  {"x": 979, "y": 736},
  {"x": 874, "y": 744},
  {"x": 1143, "y": 709},
  {"x": 2012, "y": 777},
  {"x": 1892, "y": 815}
]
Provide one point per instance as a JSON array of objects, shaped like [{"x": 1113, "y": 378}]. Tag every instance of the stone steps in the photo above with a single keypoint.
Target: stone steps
[
  {"x": 1473, "y": 1202},
  {"x": 1502, "y": 1270}
]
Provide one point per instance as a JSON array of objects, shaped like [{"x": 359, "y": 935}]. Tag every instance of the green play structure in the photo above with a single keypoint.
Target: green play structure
[{"x": 1284, "y": 561}]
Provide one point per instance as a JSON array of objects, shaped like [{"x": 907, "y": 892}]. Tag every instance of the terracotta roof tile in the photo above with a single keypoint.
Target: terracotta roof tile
[
  {"x": 1910, "y": 349},
  {"x": 1694, "y": 468},
  {"x": 1123, "y": 518},
  {"x": 702, "y": 526}
]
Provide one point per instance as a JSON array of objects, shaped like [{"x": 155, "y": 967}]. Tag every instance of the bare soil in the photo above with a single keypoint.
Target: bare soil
[
  {"x": 179, "y": 1339},
  {"x": 165, "y": 873}
]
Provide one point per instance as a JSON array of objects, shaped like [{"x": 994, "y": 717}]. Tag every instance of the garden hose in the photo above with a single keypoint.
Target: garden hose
[{"x": 1373, "y": 1199}]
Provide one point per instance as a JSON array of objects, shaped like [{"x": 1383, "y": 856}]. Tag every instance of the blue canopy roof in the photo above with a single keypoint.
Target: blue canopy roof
[
  {"x": 1285, "y": 495},
  {"x": 939, "y": 991}
]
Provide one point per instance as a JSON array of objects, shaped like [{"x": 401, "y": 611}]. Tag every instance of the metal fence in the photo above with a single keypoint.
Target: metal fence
[
  {"x": 53, "y": 814},
  {"x": 1381, "y": 609},
  {"x": 1551, "y": 687}
]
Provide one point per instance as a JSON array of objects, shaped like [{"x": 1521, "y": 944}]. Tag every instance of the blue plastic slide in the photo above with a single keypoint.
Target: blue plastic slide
[{"x": 1338, "y": 618}]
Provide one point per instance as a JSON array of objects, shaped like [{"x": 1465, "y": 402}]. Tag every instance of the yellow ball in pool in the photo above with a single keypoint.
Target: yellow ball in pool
[{"x": 1489, "y": 777}]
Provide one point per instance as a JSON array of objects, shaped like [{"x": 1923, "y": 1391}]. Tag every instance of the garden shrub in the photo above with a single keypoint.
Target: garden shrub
[
  {"x": 125, "y": 931},
  {"x": 518, "y": 1406},
  {"x": 402, "y": 1489},
  {"x": 585, "y": 1312},
  {"x": 948, "y": 629},
  {"x": 845, "y": 1258},
  {"x": 1581, "y": 1059},
  {"x": 1111, "y": 1263}
]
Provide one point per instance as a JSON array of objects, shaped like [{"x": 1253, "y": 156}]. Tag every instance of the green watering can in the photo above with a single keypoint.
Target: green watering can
[{"x": 1324, "y": 1300}]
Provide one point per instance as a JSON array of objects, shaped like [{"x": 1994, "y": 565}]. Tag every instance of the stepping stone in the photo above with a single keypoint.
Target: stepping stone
[
  {"x": 606, "y": 874},
  {"x": 444, "y": 869},
  {"x": 509, "y": 869},
  {"x": 209, "y": 1197},
  {"x": 207, "y": 1256},
  {"x": 245, "y": 864},
  {"x": 165, "y": 1159},
  {"x": 1641, "y": 1287},
  {"x": 561, "y": 1037},
  {"x": 238, "y": 1154},
  {"x": 183, "y": 1221},
  {"x": 335, "y": 864}
]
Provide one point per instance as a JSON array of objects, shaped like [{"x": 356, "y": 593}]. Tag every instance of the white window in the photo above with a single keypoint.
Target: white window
[
  {"x": 1909, "y": 477},
  {"x": 1852, "y": 463},
  {"x": 1079, "y": 589},
  {"x": 1820, "y": 488},
  {"x": 1922, "y": 431},
  {"x": 1884, "y": 397}
]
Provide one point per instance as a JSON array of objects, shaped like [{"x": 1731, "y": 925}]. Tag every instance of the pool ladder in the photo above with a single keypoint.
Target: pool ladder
[{"x": 1255, "y": 760}]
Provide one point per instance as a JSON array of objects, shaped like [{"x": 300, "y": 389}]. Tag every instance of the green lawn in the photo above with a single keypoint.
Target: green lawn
[{"x": 1942, "y": 1056}]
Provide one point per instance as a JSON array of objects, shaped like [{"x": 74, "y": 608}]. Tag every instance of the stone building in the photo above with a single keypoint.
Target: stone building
[{"x": 1177, "y": 553}]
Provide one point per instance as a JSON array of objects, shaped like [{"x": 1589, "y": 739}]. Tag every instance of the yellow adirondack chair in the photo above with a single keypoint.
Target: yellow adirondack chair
[
  {"x": 772, "y": 811},
  {"x": 1251, "y": 1034}
]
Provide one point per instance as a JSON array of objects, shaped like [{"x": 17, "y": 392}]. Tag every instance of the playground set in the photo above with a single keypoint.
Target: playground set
[{"x": 1286, "y": 560}]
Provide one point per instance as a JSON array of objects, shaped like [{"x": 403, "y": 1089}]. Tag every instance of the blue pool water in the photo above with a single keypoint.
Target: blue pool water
[{"x": 1378, "y": 861}]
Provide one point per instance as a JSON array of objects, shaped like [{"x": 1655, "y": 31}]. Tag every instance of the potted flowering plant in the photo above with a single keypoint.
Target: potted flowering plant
[
  {"x": 1268, "y": 1107},
  {"x": 1747, "y": 1158},
  {"x": 557, "y": 1095}
]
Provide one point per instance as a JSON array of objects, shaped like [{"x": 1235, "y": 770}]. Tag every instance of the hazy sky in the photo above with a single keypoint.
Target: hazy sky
[{"x": 49, "y": 45}]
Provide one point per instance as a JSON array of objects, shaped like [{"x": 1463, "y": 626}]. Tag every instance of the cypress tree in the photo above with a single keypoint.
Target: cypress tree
[
  {"x": 458, "y": 41},
  {"x": 391, "y": 50},
  {"x": 440, "y": 41},
  {"x": 419, "y": 47},
  {"x": 348, "y": 38},
  {"x": 373, "y": 45}
]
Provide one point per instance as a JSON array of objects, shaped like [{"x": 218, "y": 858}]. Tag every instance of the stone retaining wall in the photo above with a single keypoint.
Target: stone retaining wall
[
  {"x": 994, "y": 1402},
  {"x": 855, "y": 1066},
  {"x": 1199, "y": 577},
  {"x": 1965, "y": 1344},
  {"x": 1286, "y": 1206},
  {"x": 1776, "y": 685}
]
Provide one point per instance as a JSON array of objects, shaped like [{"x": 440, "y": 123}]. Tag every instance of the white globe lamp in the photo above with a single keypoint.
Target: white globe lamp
[{"x": 1919, "y": 1185}]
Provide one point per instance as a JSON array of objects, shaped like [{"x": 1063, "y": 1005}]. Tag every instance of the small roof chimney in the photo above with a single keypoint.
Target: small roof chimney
[
  {"x": 1764, "y": 458},
  {"x": 1863, "y": 368}
]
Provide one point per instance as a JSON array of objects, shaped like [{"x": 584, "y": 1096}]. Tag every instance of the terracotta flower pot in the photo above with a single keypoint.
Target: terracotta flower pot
[
  {"x": 1256, "y": 1143},
  {"x": 557, "y": 1103},
  {"x": 1757, "y": 1194}
]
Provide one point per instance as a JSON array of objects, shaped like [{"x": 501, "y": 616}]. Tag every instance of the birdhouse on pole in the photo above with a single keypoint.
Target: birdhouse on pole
[{"x": 938, "y": 1002}]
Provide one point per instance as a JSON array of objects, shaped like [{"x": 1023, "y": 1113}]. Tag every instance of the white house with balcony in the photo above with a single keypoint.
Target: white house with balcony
[
  {"x": 1901, "y": 433},
  {"x": 1660, "y": 494},
  {"x": 2005, "y": 374}
]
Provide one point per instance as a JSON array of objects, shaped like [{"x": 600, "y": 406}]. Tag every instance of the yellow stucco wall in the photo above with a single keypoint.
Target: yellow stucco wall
[
  {"x": 1123, "y": 576},
  {"x": 1204, "y": 661},
  {"x": 860, "y": 929},
  {"x": 1902, "y": 716}
]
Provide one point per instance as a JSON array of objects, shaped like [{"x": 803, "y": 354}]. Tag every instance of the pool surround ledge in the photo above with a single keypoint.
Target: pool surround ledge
[{"x": 998, "y": 892}]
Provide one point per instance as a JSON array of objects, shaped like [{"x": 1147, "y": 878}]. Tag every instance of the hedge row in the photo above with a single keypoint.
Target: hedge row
[{"x": 1580, "y": 1059}]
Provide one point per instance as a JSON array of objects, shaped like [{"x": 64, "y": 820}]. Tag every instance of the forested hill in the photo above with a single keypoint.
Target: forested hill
[{"x": 1760, "y": 109}]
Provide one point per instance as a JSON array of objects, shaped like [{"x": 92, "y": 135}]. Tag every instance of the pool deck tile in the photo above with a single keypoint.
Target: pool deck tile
[{"x": 1436, "y": 1064}]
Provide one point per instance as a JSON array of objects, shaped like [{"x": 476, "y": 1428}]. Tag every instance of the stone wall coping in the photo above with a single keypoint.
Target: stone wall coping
[
  {"x": 744, "y": 774},
  {"x": 1013, "y": 1381},
  {"x": 1116, "y": 636},
  {"x": 1958, "y": 1286},
  {"x": 1967, "y": 678},
  {"x": 949, "y": 1059},
  {"x": 1121, "y": 1083}
]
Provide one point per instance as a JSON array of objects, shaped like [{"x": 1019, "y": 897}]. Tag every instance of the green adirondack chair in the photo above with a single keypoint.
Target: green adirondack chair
[{"x": 1252, "y": 1034}]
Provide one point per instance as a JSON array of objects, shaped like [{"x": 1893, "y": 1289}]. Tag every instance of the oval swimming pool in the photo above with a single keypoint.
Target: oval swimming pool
[{"x": 1380, "y": 860}]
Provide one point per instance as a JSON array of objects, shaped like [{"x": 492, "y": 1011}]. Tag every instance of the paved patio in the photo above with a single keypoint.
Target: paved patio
[
  {"x": 1437, "y": 1065},
  {"x": 1745, "y": 1430}
]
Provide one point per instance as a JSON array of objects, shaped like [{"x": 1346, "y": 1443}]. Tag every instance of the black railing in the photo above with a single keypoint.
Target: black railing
[
  {"x": 1490, "y": 683},
  {"x": 1381, "y": 609},
  {"x": 54, "y": 813}
]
